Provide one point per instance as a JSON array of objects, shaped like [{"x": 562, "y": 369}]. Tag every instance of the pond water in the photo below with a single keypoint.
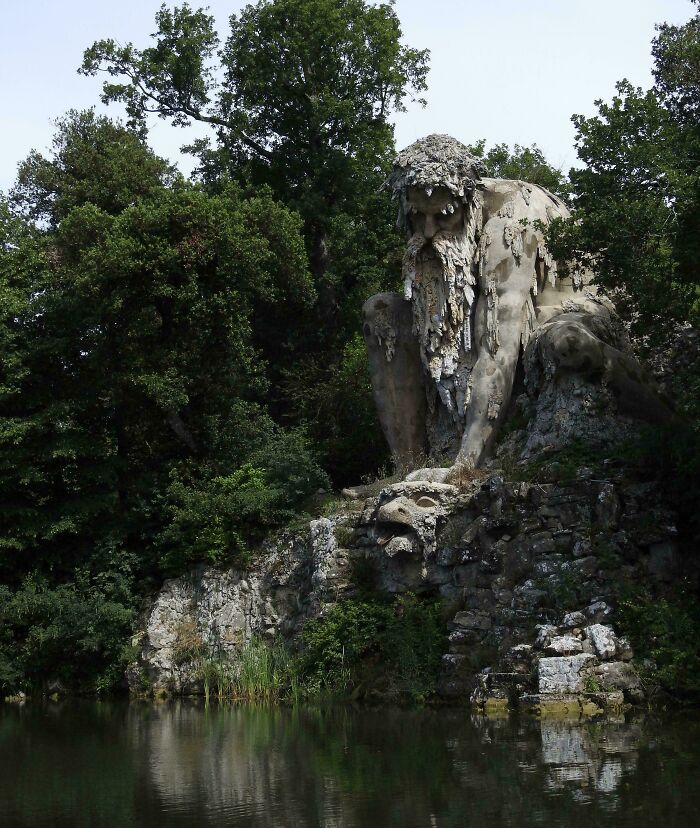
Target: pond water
[{"x": 137, "y": 764}]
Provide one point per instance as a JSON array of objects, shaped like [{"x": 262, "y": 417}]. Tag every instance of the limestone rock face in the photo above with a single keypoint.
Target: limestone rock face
[
  {"x": 210, "y": 614},
  {"x": 603, "y": 640},
  {"x": 529, "y": 620},
  {"x": 563, "y": 674}
]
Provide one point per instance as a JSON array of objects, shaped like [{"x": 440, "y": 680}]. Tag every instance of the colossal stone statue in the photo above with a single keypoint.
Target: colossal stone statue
[{"x": 482, "y": 301}]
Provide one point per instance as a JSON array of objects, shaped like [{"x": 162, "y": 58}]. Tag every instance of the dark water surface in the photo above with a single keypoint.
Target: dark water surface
[{"x": 119, "y": 764}]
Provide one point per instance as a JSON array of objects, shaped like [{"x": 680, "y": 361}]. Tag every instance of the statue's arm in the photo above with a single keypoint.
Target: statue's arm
[{"x": 507, "y": 263}]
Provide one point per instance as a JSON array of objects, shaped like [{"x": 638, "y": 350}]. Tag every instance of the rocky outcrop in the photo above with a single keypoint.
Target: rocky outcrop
[
  {"x": 526, "y": 573},
  {"x": 210, "y": 614}
]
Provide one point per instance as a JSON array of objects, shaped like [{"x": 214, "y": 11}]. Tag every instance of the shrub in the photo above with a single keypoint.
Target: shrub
[
  {"x": 665, "y": 629},
  {"x": 41, "y": 624},
  {"x": 217, "y": 520},
  {"x": 394, "y": 647}
]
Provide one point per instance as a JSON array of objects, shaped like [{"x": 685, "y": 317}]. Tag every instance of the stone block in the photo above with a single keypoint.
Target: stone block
[
  {"x": 544, "y": 633},
  {"x": 563, "y": 674},
  {"x": 603, "y": 639},
  {"x": 574, "y": 619},
  {"x": 617, "y": 675},
  {"x": 473, "y": 620},
  {"x": 563, "y": 645}
]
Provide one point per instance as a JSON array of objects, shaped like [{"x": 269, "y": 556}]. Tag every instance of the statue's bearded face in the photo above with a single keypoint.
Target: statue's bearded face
[
  {"x": 440, "y": 282},
  {"x": 435, "y": 212}
]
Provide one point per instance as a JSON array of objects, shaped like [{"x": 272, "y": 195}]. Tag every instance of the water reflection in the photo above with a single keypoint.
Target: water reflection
[{"x": 180, "y": 764}]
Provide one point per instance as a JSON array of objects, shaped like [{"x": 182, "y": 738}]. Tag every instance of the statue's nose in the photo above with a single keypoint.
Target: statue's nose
[{"x": 430, "y": 227}]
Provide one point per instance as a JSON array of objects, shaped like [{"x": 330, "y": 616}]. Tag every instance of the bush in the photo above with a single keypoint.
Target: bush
[
  {"x": 360, "y": 645},
  {"x": 217, "y": 520},
  {"x": 665, "y": 629},
  {"x": 74, "y": 632}
]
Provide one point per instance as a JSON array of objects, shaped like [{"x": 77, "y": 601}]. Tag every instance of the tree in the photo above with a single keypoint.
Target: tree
[
  {"x": 307, "y": 90},
  {"x": 525, "y": 163},
  {"x": 299, "y": 101},
  {"x": 132, "y": 395},
  {"x": 638, "y": 196}
]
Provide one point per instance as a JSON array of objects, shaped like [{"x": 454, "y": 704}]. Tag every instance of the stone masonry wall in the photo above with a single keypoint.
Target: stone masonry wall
[{"x": 526, "y": 572}]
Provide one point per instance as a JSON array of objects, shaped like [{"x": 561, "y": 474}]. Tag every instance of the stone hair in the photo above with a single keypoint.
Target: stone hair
[{"x": 432, "y": 162}]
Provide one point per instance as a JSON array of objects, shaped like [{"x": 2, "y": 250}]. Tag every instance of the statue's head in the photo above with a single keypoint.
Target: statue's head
[{"x": 434, "y": 180}]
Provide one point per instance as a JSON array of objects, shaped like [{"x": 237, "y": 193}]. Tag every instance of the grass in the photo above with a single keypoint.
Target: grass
[
  {"x": 360, "y": 647},
  {"x": 260, "y": 673}
]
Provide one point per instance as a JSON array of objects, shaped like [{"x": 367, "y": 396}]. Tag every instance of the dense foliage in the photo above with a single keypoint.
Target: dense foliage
[
  {"x": 524, "y": 163},
  {"x": 299, "y": 99},
  {"x": 181, "y": 362},
  {"x": 638, "y": 194},
  {"x": 132, "y": 394},
  {"x": 637, "y": 203},
  {"x": 367, "y": 645},
  {"x": 664, "y": 632}
]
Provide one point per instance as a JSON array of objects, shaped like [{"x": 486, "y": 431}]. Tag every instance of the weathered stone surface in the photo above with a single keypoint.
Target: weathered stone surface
[
  {"x": 399, "y": 545},
  {"x": 664, "y": 561},
  {"x": 519, "y": 658},
  {"x": 476, "y": 249},
  {"x": 558, "y": 705},
  {"x": 617, "y": 675},
  {"x": 563, "y": 675},
  {"x": 499, "y": 603},
  {"x": 212, "y": 613},
  {"x": 607, "y": 507},
  {"x": 473, "y": 620},
  {"x": 544, "y": 634},
  {"x": 574, "y": 619},
  {"x": 563, "y": 645},
  {"x": 598, "y": 611},
  {"x": 603, "y": 639}
]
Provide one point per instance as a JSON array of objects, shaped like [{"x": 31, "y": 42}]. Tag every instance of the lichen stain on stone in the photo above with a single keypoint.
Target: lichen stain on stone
[
  {"x": 494, "y": 404},
  {"x": 492, "y": 316},
  {"x": 385, "y": 331}
]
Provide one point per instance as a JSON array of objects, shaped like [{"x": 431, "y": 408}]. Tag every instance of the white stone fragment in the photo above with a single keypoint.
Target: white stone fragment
[
  {"x": 545, "y": 632},
  {"x": 573, "y": 619},
  {"x": 563, "y": 645},
  {"x": 563, "y": 674},
  {"x": 603, "y": 639}
]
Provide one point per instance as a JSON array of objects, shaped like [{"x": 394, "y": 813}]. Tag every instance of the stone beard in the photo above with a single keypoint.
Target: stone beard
[{"x": 440, "y": 281}]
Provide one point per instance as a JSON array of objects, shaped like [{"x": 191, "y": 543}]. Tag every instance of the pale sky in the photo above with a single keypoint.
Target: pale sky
[{"x": 505, "y": 70}]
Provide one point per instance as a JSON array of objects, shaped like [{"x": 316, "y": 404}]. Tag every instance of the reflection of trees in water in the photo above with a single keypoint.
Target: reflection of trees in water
[
  {"x": 343, "y": 767},
  {"x": 179, "y": 764},
  {"x": 271, "y": 766},
  {"x": 66, "y": 765}
]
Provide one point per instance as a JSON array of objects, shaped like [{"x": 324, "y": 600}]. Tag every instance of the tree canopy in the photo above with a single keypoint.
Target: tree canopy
[
  {"x": 637, "y": 197},
  {"x": 299, "y": 97},
  {"x": 525, "y": 163}
]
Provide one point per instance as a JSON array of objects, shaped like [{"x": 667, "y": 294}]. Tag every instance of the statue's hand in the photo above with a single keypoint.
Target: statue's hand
[
  {"x": 428, "y": 475},
  {"x": 463, "y": 473}
]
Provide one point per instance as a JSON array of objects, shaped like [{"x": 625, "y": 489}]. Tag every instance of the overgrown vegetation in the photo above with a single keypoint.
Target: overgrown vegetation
[
  {"x": 663, "y": 629},
  {"x": 361, "y": 647},
  {"x": 637, "y": 195},
  {"x": 261, "y": 673},
  {"x": 181, "y": 366}
]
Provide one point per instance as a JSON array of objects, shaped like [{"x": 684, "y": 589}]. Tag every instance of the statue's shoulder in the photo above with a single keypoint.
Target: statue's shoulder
[{"x": 527, "y": 200}]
